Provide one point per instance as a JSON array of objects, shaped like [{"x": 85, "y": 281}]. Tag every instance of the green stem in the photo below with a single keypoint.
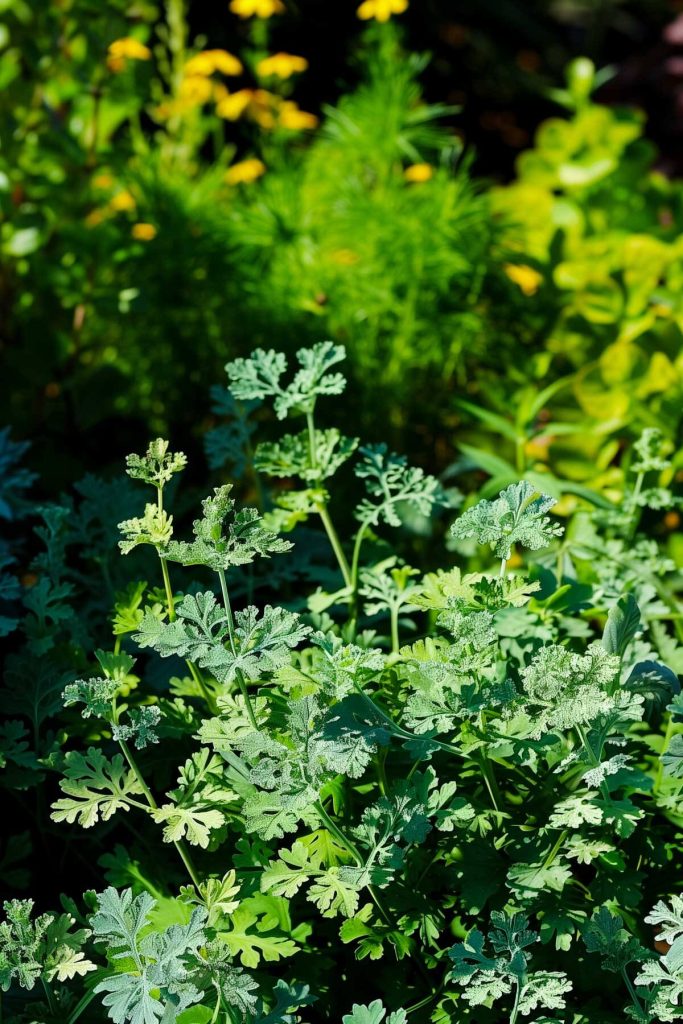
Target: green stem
[
  {"x": 555, "y": 850},
  {"x": 341, "y": 838},
  {"x": 395, "y": 643},
  {"x": 80, "y": 1007},
  {"x": 636, "y": 508},
  {"x": 231, "y": 635},
  {"x": 594, "y": 759},
  {"x": 665, "y": 747},
  {"x": 632, "y": 992},
  {"x": 335, "y": 543},
  {"x": 49, "y": 996},
  {"x": 503, "y": 563},
  {"x": 179, "y": 844},
  {"x": 515, "y": 1008},
  {"x": 193, "y": 670},
  {"x": 355, "y": 566},
  {"x": 321, "y": 507}
]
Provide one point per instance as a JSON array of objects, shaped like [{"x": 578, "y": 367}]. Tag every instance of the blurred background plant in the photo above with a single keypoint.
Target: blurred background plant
[{"x": 180, "y": 183}]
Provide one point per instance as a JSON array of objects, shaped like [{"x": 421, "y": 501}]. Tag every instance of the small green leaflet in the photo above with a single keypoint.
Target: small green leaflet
[
  {"x": 374, "y": 1013},
  {"x": 157, "y": 465},
  {"x": 225, "y": 538},
  {"x": 259, "y": 377},
  {"x": 291, "y": 455},
  {"x": 392, "y": 485},
  {"x": 514, "y": 517},
  {"x": 95, "y": 788}
]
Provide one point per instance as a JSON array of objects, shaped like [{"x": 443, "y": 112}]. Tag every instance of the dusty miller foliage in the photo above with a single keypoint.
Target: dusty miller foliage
[{"x": 473, "y": 778}]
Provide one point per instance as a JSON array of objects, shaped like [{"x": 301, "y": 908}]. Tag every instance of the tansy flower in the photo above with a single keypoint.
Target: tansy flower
[
  {"x": 294, "y": 119},
  {"x": 381, "y": 10},
  {"x": 418, "y": 172},
  {"x": 194, "y": 91},
  {"x": 143, "y": 232},
  {"x": 245, "y": 171},
  {"x": 281, "y": 65},
  {"x": 96, "y": 217},
  {"x": 258, "y": 104},
  {"x": 122, "y": 50},
  {"x": 258, "y": 8},
  {"x": 528, "y": 279},
  {"x": 122, "y": 202},
  {"x": 102, "y": 180},
  {"x": 209, "y": 61}
]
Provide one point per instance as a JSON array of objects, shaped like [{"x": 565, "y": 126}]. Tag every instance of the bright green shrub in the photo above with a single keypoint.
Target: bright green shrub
[{"x": 470, "y": 776}]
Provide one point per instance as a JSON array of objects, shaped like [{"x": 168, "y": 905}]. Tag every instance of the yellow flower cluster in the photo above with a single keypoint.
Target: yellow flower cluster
[
  {"x": 245, "y": 171},
  {"x": 208, "y": 62},
  {"x": 266, "y": 109},
  {"x": 381, "y": 10},
  {"x": 526, "y": 278},
  {"x": 122, "y": 50},
  {"x": 256, "y": 8},
  {"x": 143, "y": 232},
  {"x": 418, "y": 172},
  {"x": 281, "y": 65},
  {"x": 196, "y": 86}
]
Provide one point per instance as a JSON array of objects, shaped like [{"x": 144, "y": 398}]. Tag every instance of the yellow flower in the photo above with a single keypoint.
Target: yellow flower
[
  {"x": 294, "y": 119},
  {"x": 528, "y": 279},
  {"x": 258, "y": 104},
  {"x": 122, "y": 202},
  {"x": 381, "y": 10},
  {"x": 96, "y": 217},
  {"x": 194, "y": 91},
  {"x": 102, "y": 180},
  {"x": 209, "y": 61},
  {"x": 143, "y": 232},
  {"x": 122, "y": 50},
  {"x": 245, "y": 171},
  {"x": 418, "y": 172},
  {"x": 259, "y": 8},
  {"x": 281, "y": 65}
]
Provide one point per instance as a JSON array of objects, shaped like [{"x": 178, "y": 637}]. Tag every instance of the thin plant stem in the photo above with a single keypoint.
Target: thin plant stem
[
  {"x": 147, "y": 793},
  {"x": 231, "y": 636},
  {"x": 632, "y": 991},
  {"x": 321, "y": 508},
  {"x": 555, "y": 850},
  {"x": 660, "y": 767},
  {"x": 170, "y": 604},
  {"x": 395, "y": 641},
  {"x": 515, "y": 1008}
]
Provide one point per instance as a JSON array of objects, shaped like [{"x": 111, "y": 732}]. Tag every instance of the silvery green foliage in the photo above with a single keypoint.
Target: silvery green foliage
[
  {"x": 155, "y": 527},
  {"x": 374, "y": 1013},
  {"x": 650, "y": 452},
  {"x": 261, "y": 640},
  {"x": 42, "y": 947},
  {"x": 490, "y": 976},
  {"x": 564, "y": 689},
  {"x": 516, "y": 516},
  {"x": 157, "y": 465},
  {"x": 225, "y": 538},
  {"x": 392, "y": 486},
  {"x": 291, "y": 455},
  {"x": 160, "y": 973},
  {"x": 259, "y": 377}
]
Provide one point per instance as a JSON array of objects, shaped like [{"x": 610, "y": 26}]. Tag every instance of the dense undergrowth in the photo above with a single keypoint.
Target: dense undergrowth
[{"x": 285, "y": 753}]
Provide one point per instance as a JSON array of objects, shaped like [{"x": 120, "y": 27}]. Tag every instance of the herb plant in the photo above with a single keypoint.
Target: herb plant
[{"x": 468, "y": 777}]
